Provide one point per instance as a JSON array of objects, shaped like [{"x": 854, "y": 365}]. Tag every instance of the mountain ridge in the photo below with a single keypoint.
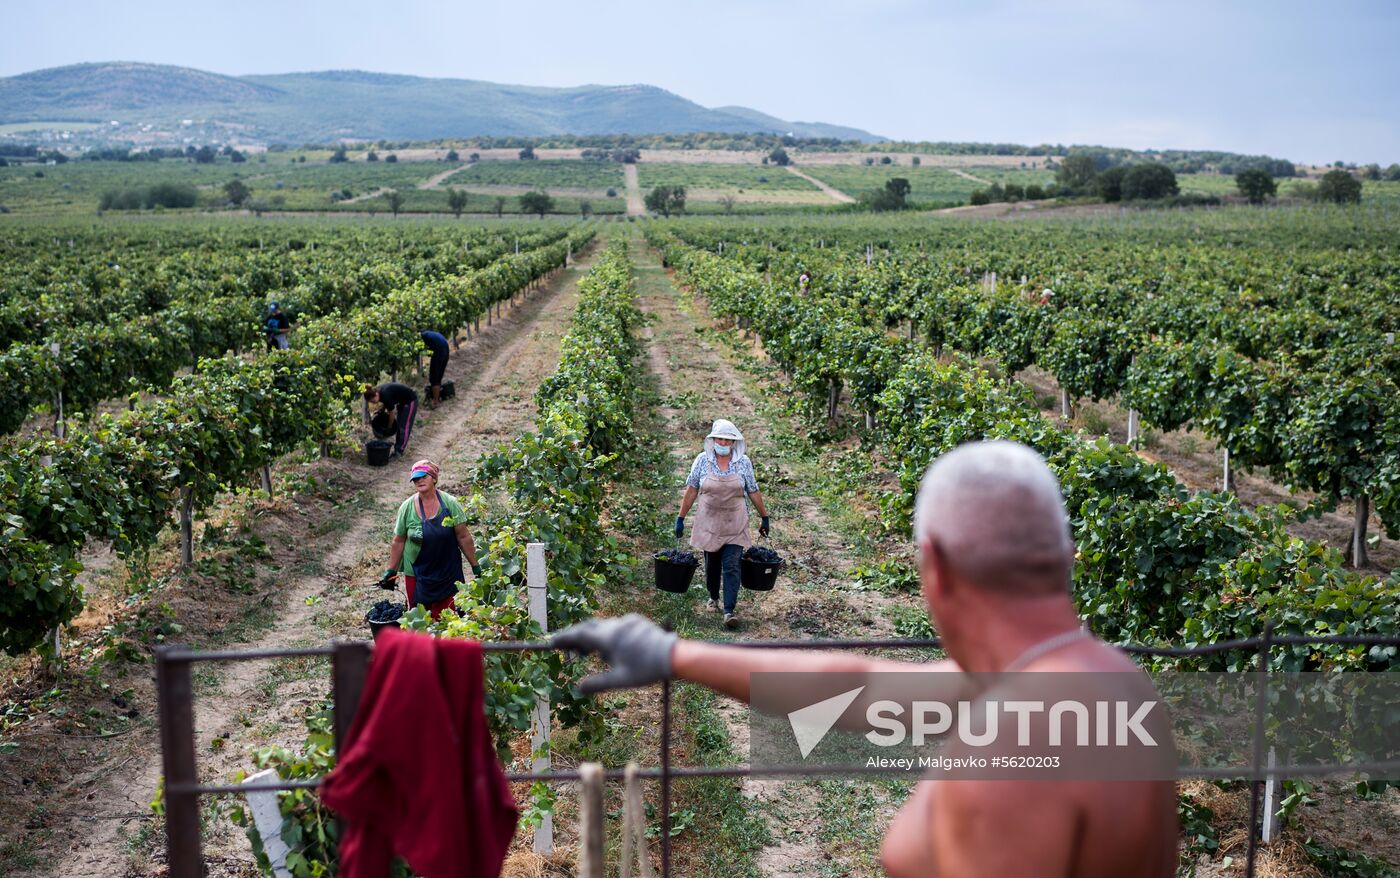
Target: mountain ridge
[{"x": 330, "y": 105}]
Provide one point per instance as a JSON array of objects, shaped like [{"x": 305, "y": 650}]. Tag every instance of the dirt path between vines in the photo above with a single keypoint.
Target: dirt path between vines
[
  {"x": 966, "y": 176},
  {"x": 368, "y": 196},
  {"x": 325, "y": 593},
  {"x": 435, "y": 180},
  {"x": 635, "y": 205},
  {"x": 832, "y": 192},
  {"x": 701, "y": 380}
]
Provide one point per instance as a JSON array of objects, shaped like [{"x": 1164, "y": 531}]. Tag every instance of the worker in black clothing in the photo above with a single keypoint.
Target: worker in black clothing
[
  {"x": 437, "y": 343},
  {"x": 401, "y": 402}
]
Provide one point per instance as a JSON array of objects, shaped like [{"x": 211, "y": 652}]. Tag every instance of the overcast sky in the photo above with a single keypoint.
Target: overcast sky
[{"x": 1312, "y": 82}]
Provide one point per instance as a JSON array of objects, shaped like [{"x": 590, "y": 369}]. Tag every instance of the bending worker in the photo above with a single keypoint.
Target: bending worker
[
  {"x": 722, "y": 478},
  {"x": 401, "y": 402},
  {"x": 430, "y": 538},
  {"x": 437, "y": 366},
  {"x": 995, "y": 560}
]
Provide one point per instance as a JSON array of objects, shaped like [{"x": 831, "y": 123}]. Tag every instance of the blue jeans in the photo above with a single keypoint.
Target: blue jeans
[{"x": 724, "y": 564}]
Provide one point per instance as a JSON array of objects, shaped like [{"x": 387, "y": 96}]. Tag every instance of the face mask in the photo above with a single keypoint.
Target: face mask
[{"x": 723, "y": 450}]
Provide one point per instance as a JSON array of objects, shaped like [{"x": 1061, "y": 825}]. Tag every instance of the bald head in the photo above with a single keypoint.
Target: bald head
[{"x": 995, "y": 513}]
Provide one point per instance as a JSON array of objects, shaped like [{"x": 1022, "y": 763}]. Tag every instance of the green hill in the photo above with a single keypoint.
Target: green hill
[{"x": 155, "y": 99}]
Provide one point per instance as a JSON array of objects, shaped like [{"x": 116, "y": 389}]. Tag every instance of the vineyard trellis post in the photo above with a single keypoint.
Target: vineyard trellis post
[
  {"x": 537, "y": 587},
  {"x": 186, "y": 525},
  {"x": 1227, "y": 481},
  {"x": 1359, "y": 556},
  {"x": 266, "y": 473},
  {"x": 1271, "y": 790},
  {"x": 1066, "y": 410},
  {"x": 58, "y": 393},
  {"x": 1260, "y": 714},
  {"x": 1133, "y": 427}
]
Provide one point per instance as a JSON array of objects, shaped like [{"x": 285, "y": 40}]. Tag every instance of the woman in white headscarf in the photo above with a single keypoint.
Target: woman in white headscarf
[{"x": 722, "y": 478}]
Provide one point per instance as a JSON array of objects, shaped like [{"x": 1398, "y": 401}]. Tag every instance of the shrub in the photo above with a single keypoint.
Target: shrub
[
  {"x": 1339, "y": 187},
  {"x": 1149, "y": 181}
]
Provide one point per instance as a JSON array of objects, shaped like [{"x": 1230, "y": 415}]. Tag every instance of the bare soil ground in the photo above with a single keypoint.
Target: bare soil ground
[
  {"x": 79, "y": 805},
  {"x": 831, "y": 191}
]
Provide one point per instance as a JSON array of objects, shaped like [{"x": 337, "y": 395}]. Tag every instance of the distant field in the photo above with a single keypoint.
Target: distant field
[
  {"x": 542, "y": 172},
  {"x": 1379, "y": 192},
  {"x": 1212, "y": 184},
  {"x": 25, "y": 127},
  {"x": 435, "y": 201},
  {"x": 76, "y": 187},
  {"x": 930, "y": 185},
  {"x": 718, "y": 179}
]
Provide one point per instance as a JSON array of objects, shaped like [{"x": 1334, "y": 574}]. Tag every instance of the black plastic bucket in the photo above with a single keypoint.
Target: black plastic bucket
[
  {"x": 758, "y": 576},
  {"x": 674, "y": 577},
  {"x": 377, "y": 452},
  {"x": 377, "y": 628},
  {"x": 449, "y": 390}
]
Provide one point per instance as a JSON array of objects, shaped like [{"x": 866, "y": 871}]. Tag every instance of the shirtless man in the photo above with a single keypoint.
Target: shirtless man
[{"x": 995, "y": 558}]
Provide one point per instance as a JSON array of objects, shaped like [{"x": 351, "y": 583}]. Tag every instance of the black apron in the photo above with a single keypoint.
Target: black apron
[{"x": 438, "y": 568}]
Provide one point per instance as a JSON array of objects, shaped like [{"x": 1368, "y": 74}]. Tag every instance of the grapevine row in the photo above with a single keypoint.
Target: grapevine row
[
  {"x": 556, "y": 478},
  {"x": 1156, "y": 562},
  {"x": 1308, "y": 390},
  {"x": 93, "y": 362},
  {"x": 120, "y": 479}
]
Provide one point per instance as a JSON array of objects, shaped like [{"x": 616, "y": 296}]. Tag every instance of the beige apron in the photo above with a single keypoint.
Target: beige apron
[{"x": 722, "y": 516}]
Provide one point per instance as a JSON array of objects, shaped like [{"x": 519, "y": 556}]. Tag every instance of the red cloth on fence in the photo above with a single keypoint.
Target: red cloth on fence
[{"x": 419, "y": 776}]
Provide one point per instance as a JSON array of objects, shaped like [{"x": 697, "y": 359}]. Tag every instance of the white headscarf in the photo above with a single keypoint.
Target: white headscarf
[{"x": 722, "y": 429}]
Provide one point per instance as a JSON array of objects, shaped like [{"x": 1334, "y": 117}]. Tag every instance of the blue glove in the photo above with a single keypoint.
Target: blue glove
[
  {"x": 680, "y": 525},
  {"x": 763, "y": 527}
]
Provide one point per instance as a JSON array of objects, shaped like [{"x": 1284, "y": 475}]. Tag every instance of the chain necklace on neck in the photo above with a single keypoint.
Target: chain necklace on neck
[{"x": 1037, "y": 650}]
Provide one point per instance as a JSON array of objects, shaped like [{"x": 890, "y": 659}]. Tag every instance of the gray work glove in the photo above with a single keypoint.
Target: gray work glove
[{"x": 638, "y": 650}]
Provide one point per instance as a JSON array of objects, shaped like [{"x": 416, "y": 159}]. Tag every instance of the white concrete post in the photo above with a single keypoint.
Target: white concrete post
[
  {"x": 58, "y": 396},
  {"x": 1225, "y": 480},
  {"x": 1270, "y": 800},
  {"x": 267, "y": 818},
  {"x": 537, "y": 587},
  {"x": 1132, "y": 426}
]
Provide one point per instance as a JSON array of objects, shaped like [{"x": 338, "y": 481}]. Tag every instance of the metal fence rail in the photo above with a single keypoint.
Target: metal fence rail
[{"x": 350, "y": 666}]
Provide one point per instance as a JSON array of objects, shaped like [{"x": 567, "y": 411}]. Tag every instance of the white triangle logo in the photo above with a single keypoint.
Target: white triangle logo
[{"x": 810, "y": 724}]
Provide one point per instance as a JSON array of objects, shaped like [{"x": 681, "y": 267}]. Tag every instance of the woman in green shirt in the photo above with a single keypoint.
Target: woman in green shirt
[{"x": 430, "y": 538}]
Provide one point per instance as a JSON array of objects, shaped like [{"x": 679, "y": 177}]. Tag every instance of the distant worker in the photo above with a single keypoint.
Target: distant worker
[
  {"x": 276, "y": 326},
  {"x": 723, "y": 480},
  {"x": 802, "y": 281},
  {"x": 995, "y": 559},
  {"x": 401, "y": 403},
  {"x": 437, "y": 366}
]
